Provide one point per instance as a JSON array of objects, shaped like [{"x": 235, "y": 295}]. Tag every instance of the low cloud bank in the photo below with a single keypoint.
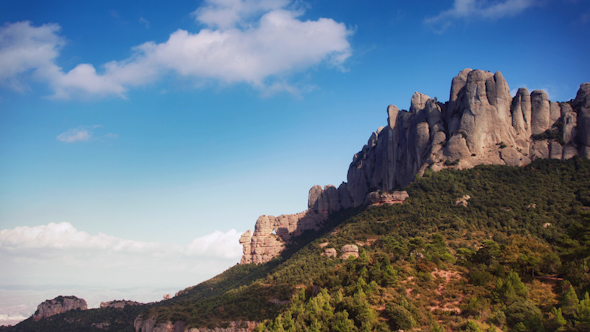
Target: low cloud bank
[{"x": 58, "y": 253}]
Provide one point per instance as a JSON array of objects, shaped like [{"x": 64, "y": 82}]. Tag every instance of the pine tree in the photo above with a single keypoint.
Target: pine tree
[
  {"x": 569, "y": 303},
  {"x": 558, "y": 318},
  {"x": 582, "y": 314}
]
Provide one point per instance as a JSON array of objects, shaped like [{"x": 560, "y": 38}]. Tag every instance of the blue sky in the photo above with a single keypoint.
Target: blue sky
[{"x": 154, "y": 133}]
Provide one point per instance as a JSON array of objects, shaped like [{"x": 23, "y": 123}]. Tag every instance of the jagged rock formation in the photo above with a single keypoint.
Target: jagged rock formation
[
  {"x": 119, "y": 304},
  {"x": 59, "y": 305},
  {"x": 480, "y": 124}
]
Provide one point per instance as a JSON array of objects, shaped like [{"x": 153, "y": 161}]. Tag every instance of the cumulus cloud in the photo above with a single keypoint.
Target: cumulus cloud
[
  {"x": 478, "y": 9},
  {"x": 58, "y": 253},
  {"x": 26, "y": 50},
  {"x": 254, "y": 42},
  {"x": 65, "y": 236},
  {"x": 229, "y": 13}
]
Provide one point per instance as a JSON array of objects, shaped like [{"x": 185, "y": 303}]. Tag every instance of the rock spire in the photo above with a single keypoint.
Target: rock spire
[{"x": 480, "y": 124}]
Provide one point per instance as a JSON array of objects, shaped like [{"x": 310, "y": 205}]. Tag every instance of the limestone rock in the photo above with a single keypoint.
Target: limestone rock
[
  {"x": 569, "y": 119},
  {"x": 329, "y": 252},
  {"x": 418, "y": 102},
  {"x": 582, "y": 102},
  {"x": 480, "y": 124},
  {"x": 521, "y": 112},
  {"x": 555, "y": 150},
  {"x": 151, "y": 325},
  {"x": 59, "y": 305},
  {"x": 377, "y": 198},
  {"x": 540, "y": 112},
  {"x": 349, "y": 250},
  {"x": 463, "y": 201},
  {"x": 119, "y": 304},
  {"x": 314, "y": 194}
]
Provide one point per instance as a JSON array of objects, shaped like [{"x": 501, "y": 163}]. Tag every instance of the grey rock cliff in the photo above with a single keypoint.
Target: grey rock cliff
[
  {"x": 59, "y": 305},
  {"x": 480, "y": 124}
]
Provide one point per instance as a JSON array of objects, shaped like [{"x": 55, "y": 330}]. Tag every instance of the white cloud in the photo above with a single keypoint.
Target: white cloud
[
  {"x": 83, "y": 134},
  {"x": 478, "y": 9},
  {"x": 11, "y": 319},
  {"x": 66, "y": 236},
  {"x": 58, "y": 253},
  {"x": 255, "y": 42},
  {"x": 26, "y": 50},
  {"x": 75, "y": 135},
  {"x": 226, "y": 14}
]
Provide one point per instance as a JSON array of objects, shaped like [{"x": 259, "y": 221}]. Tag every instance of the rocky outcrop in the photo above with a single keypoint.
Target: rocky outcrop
[
  {"x": 119, "y": 304},
  {"x": 377, "y": 198},
  {"x": 480, "y": 124},
  {"x": 329, "y": 252},
  {"x": 463, "y": 201},
  {"x": 150, "y": 325},
  {"x": 59, "y": 305},
  {"x": 349, "y": 250}
]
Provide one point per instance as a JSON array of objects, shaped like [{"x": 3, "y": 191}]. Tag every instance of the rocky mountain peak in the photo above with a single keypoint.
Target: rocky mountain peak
[{"x": 480, "y": 124}]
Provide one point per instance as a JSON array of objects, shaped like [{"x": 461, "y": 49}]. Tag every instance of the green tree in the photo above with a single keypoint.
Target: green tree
[
  {"x": 558, "y": 319},
  {"x": 341, "y": 322},
  {"x": 526, "y": 313},
  {"x": 510, "y": 289},
  {"x": 400, "y": 317},
  {"x": 582, "y": 314},
  {"x": 569, "y": 303}
]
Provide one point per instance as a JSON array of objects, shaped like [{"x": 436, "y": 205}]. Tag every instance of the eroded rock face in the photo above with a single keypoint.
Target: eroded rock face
[
  {"x": 349, "y": 250},
  {"x": 330, "y": 252},
  {"x": 59, "y": 305},
  {"x": 480, "y": 124},
  {"x": 119, "y": 304},
  {"x": 150, "y": 325},
  {"x": 377, "y": 198},
  {"x": 271, "y": 233}
]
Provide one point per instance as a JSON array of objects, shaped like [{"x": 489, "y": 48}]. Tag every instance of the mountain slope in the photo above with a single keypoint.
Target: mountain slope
[{"x": 428, "y": 260}]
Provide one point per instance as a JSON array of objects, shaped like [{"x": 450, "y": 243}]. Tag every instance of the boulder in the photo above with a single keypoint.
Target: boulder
[{"x": 329, "y": 252}]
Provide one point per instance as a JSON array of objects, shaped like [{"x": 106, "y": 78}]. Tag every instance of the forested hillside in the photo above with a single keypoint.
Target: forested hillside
[{"x": 511, "y": 257}]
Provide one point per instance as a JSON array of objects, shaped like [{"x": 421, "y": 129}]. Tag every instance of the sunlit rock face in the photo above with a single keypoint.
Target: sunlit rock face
[
  {"x": 59, "y": 305},
  {"x": 480, "y": 124}
]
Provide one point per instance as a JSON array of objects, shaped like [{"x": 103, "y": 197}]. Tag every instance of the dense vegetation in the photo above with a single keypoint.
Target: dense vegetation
[
  {"x": 513, "y": 259},
  {"x": 92, "y": 320}
]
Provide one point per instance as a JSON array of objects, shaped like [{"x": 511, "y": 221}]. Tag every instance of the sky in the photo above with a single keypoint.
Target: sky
[{"x": 140, "y": 139}]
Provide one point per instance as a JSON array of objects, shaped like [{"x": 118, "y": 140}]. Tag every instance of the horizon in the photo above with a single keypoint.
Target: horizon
[{"x": 139, "y": 141}]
